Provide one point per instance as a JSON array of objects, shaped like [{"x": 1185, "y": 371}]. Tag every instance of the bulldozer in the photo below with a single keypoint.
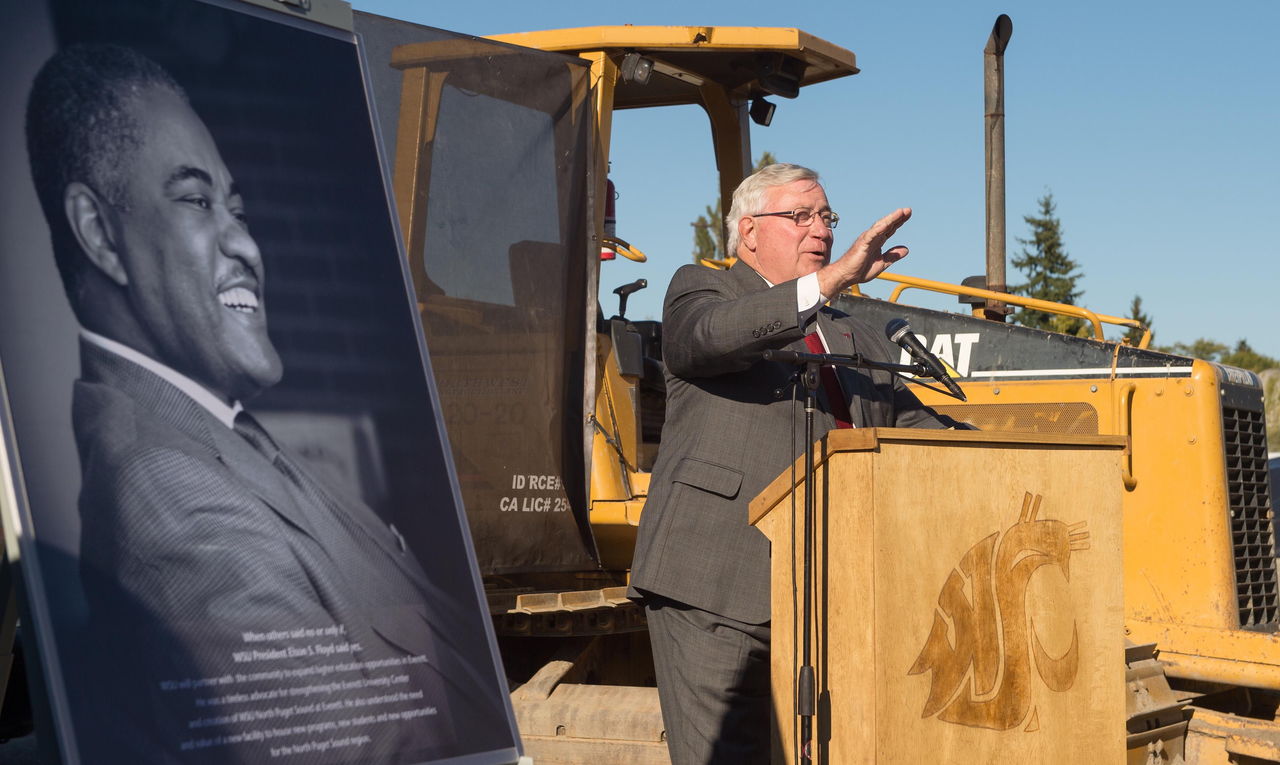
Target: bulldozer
[{"x": 1201, "y": 608}]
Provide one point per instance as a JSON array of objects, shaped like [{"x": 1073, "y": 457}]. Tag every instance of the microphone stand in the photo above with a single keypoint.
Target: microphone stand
[
  {"x": 853, "y": 361},
  {"x": 808, "y": 366}
]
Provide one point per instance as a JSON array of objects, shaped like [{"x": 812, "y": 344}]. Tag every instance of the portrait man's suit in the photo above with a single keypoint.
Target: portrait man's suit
[
  {"x": 727, "y": 436},
  {"x": 192, "y": 536}
]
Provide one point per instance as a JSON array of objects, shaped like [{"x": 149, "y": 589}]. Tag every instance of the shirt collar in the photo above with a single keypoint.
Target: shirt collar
[{"x": 194, "y": 390}]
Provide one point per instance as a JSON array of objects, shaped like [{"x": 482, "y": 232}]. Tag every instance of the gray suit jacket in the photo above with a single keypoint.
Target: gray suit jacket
[
  {"x": 726, "y": 436},
  {"x": 192, "y": 538}
]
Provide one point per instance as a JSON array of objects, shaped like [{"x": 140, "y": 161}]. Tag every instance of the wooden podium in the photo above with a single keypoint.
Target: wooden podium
[{"x": 968, "y": 604}]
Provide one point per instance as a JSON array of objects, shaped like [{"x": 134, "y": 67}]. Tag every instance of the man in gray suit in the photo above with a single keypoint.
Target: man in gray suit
[
  {"x": 702, "y": 571},
  {"x": 217, "y": 570}
]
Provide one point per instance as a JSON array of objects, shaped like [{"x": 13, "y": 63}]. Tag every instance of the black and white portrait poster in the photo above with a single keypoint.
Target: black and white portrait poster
[{"x": 240, "y": 532}]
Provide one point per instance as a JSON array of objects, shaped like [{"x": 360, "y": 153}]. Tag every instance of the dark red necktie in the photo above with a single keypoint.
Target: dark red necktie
[{"x": 835, "y": 396}]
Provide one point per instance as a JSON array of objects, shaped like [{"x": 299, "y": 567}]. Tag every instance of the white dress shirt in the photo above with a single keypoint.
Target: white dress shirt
[
  {"x": 809, "y": 299},
  {"x": 225, "y": 413}
]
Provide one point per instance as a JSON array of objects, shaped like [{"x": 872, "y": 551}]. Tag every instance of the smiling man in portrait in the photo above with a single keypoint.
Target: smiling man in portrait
[{"x": 203, "y": 540}]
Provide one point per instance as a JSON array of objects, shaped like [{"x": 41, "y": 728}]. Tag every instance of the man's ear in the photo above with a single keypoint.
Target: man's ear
[
  {"x": 88, "y": 213},
  {"x": 747, "y": 232}
]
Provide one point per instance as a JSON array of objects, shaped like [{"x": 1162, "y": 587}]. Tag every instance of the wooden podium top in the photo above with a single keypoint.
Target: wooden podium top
[{"x": 869, "y": 439}]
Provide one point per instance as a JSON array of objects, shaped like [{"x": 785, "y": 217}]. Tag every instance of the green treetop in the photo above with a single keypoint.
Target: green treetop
[
  {"x": 1134, "y": 335},
  {"x": 708, "y": 229},
  {"x": 1051, "y": 273}
]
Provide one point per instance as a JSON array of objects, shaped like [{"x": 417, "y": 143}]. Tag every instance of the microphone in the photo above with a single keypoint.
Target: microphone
[{"x": 899, "y": 331}]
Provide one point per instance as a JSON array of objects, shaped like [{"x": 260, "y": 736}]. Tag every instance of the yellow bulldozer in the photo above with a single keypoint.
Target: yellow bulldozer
[{"x": 554, "y": 411}]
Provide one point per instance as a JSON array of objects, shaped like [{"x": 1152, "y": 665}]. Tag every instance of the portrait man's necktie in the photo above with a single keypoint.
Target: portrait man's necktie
[
  {"x": 336, "y": 521},
  {"x": 253, "y": 432}
]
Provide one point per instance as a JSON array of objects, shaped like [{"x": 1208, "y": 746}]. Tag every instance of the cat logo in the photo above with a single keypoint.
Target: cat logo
[
  {"x": 992, "y": 639},
  {"x": 956, "y": 351}
]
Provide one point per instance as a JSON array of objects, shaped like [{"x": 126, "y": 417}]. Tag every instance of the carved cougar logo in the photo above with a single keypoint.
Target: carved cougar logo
[{"x": 990, "y": 630}]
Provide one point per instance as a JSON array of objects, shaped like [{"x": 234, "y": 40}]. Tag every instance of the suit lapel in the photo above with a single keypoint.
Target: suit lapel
[
  {"x": 370, "y": 525},
  {"x": 274, "y": 489},
  {"x": 745, "y": 280},
  {"x": 840, "y": 341},
  {"x": 262, "y": 478}
]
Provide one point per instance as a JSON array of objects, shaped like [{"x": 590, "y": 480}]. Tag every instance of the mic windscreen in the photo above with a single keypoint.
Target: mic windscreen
[{"x": 895, "y": 329}]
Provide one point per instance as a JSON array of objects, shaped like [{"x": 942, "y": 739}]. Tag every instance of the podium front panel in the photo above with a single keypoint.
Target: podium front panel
[{"x": 969, "y": 603}]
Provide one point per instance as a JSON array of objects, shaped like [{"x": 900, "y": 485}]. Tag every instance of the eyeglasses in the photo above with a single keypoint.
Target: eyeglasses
[{"x": 803, "y": 216}]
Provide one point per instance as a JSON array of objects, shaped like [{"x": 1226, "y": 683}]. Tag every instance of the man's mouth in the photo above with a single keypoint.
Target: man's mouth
[{"x": 239, "y": 299}]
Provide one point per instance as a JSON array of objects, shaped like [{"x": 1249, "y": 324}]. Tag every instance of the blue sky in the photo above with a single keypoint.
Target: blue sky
[{"x": 1154, "y": 124}]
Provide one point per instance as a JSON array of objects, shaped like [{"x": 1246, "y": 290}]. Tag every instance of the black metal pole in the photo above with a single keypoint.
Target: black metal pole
[
  {"x": 804, "y": 681},
  {"x": 993, "y": 127},
  {"x": 811, "y": 364}
]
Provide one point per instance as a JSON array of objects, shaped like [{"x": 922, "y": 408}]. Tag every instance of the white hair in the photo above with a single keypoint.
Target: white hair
[{"x": 749, "y": 195}]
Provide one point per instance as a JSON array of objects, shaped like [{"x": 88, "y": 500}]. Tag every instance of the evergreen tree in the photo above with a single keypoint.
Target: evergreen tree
[
  {"x": 1051, "y": 273},
  {"x": 1134, "y": 335},
  {"x": 1244, "y": 356},
  {"x": 1202, "y": 348},
  {"x": 708, "y": 235},
  {"x": 708, "y": 230}
]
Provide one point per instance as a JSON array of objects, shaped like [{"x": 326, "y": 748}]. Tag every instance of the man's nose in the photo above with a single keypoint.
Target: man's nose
[
  {"x": 235, "y": 241},
  {"x": 819, "y": 229}
]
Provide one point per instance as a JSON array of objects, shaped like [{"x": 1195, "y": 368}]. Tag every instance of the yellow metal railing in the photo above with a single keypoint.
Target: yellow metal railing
[{"x": 1096, "y": 320}]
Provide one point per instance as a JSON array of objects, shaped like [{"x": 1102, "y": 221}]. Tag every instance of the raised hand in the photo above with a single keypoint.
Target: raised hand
[{"x": 866, "y": 258}]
